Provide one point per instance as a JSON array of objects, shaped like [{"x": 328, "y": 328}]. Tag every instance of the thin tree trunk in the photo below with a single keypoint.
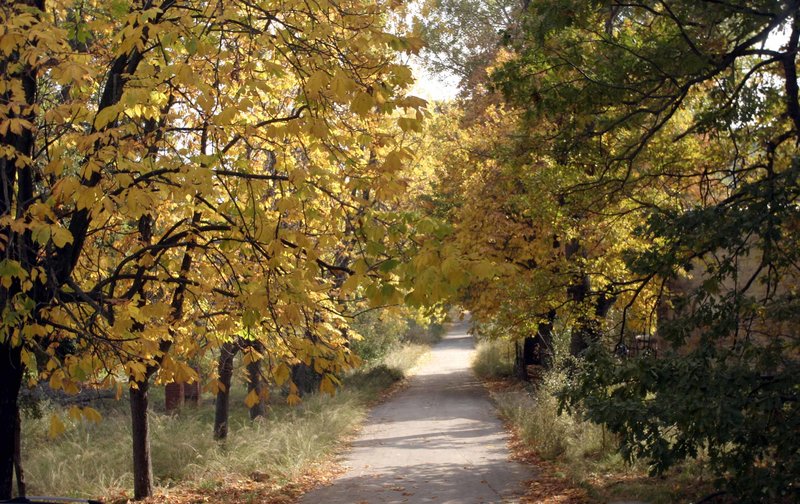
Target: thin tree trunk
[
  {"x": 10, "y": 382},
  {"x": 222, "y": 403},
  {"x": 523, "y": 357},
  {"x": 519, "y": 361},
  {"x": 142, "y": 464},
  {"x": 255, "y": 384}
]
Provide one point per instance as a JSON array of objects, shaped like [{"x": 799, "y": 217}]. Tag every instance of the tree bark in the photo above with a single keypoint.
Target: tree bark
[
  {"x": 18, "y": 456},
  {"x": 222, "y": 403},
  {"x": 142, "y": 464},
  {"x": 10, "y": 382},
  {"x": 256, "y": 384}
]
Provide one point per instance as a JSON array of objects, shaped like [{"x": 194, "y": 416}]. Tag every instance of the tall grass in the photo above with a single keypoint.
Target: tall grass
[
  {"x": 91, "y": 460},
  {"x": 587, "y": 454},
  {"x": 494, "y": 358}
]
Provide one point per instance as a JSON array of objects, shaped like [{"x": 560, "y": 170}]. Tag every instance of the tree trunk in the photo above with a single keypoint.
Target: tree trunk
[
  {"x": 142, "y": 464},
  {"x": 544, "y": 335},
  {"x": 305, "y": 378},
  {"x": 256, "y": 384},
  {"x": 18, "y": 456},
  {"x": 10, "y": 382},
  {"x": 222, "y": 403},
  {"x": 523, "y": 357},
  {"x": 578, "y": 292}
]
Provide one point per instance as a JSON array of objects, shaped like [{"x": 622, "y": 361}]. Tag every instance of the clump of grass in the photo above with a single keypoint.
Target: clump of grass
[
  {"x": 91, "y": 460},
  {"x": 494, "y": 359},
  {"x": 556, "y": 436}
]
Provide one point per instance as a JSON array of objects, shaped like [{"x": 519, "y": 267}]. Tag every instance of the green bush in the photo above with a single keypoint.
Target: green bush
[
  {"x": 554, "y": 434},
  {"x": 380, "y": 331}
]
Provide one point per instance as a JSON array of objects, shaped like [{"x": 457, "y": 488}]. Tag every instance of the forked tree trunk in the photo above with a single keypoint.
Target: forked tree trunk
[
  {"x": 142, "y": 465},
  {"x": 10, "y": 382},
  {"x": 222, "y": 403}
]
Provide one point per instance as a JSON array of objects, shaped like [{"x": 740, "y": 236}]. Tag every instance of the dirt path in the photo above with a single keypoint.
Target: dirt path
[{"x": 438, "y": 440}]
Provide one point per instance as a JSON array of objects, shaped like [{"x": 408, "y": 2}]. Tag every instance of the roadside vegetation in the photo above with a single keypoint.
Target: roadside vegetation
[
  {"x": 580, "y": 453},
  {"x": 267, "y": 456}
]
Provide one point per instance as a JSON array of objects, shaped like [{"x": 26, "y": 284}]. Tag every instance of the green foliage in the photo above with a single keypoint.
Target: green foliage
[
  {"x": 675, "y": 125},
  {"x": 380, "y": 333}
]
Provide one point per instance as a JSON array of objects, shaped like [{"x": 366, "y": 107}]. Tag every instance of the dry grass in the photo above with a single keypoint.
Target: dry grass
[
  {"x": 91, "y": 460},
  {"x": 569, "y": 448}
]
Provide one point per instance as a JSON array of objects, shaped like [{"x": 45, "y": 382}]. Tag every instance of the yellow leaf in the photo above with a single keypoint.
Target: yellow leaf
[
  {"x": 316, "y": 82},
  {"x": 362, "y": 104},
  {"x": 74, "y": 413},
  {"x": 251, "y": 399},
  {"x": 226, "y": 116},
  {"x": 341, "y": 85},
  {"x": 327, "y": 386},
  {"x": 105, "y": 117},
  {"x": 56, "y": 427},
  {"x": 41, "y": 234},
  {"x": 281, "y": 374},
  {"x": 393, "y": 162},
  {"x": 92, "y": 415},
  {"x": 60, "y": 236}
]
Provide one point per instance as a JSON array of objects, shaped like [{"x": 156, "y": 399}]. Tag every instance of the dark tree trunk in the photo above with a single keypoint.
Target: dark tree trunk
[
  {"x": 222, "y": 403},
  {"x": 585, "y": 328},
  {"x": 15, "y": 182},
  {"x": 588, "y": 329},
  {"x": 10, "y": 382},
  {"x": 523, "y": 357},
  {"x": 544, "y": 354},
  {"x": 256, "y": 384},
  {"x": 142, "y": 464},
  {"x": 18, "y": 456},
  {"x": 305, "y": 378}
]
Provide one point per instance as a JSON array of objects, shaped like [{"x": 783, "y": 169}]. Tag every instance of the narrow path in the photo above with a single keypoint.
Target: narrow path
[{"x": 438, "y": 440}]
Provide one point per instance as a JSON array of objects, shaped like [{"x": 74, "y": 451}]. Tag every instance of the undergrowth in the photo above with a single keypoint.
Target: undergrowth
[
  {"x": 91, "y": 460},
  {"x": 586, "y": 454}
]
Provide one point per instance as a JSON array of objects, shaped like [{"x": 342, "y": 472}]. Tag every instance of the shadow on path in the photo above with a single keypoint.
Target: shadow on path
[{"x": 438, "y": 440}]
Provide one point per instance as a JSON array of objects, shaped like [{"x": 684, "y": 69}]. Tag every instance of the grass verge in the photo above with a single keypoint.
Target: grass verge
[
  {"x": 578, "y": 460},
  {"x": 267, "y": 460}
]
